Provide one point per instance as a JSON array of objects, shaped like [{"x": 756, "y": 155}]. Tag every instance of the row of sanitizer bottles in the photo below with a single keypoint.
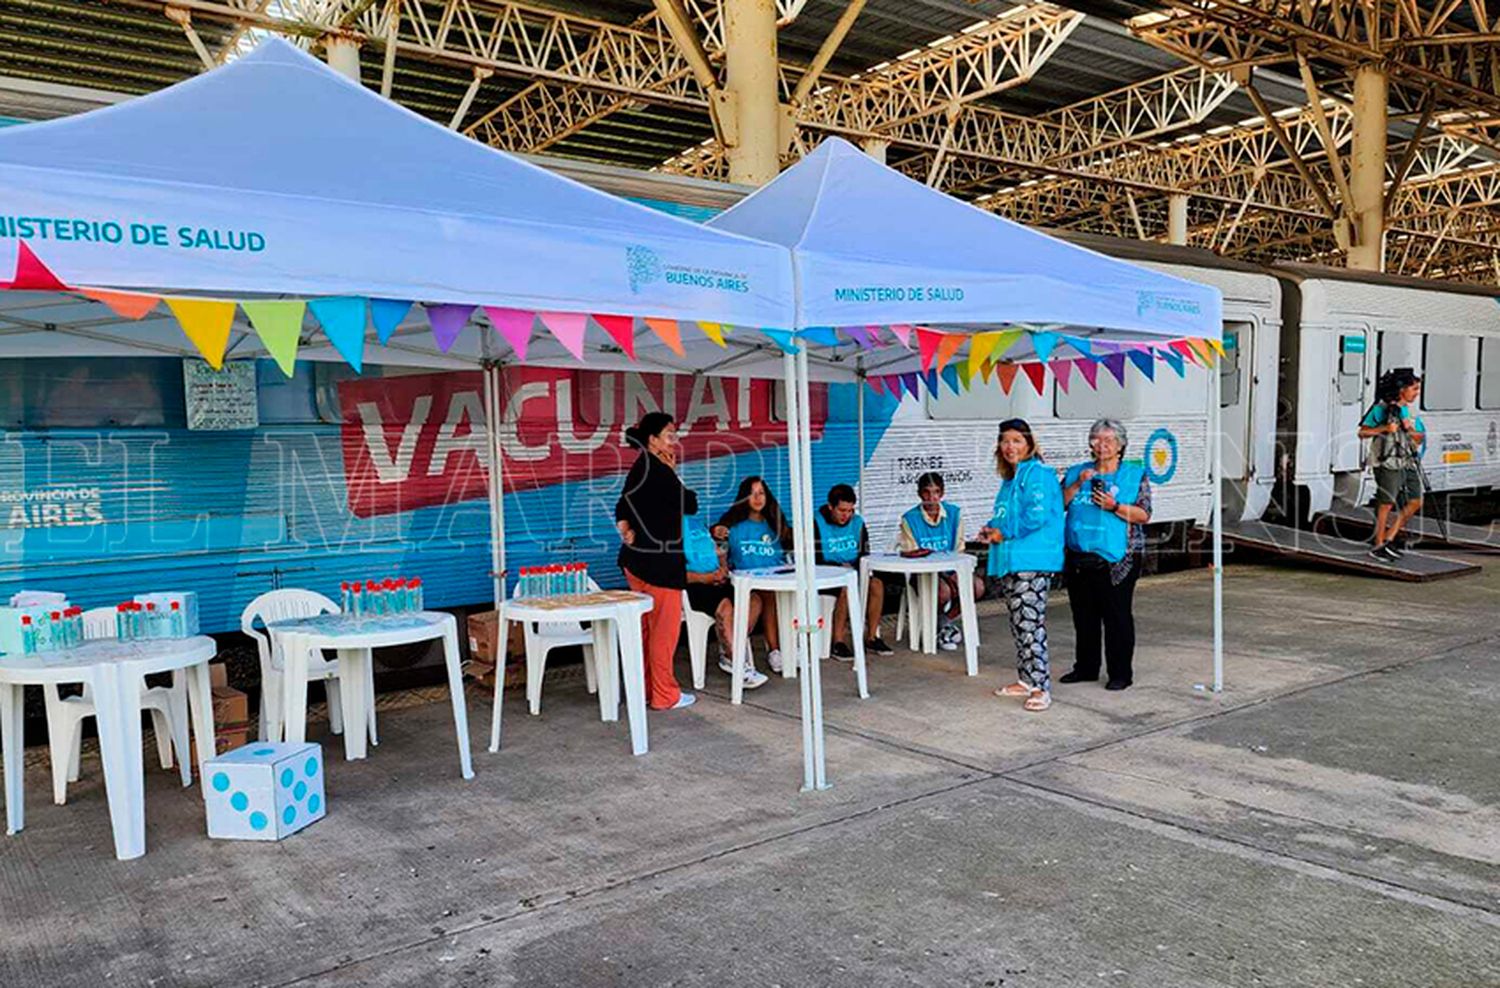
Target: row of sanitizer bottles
[
  {"x": 377, "y": 598},
  {"x": 135, "y": 621},
  {"x": 552, "y": 581},
  {"x": 56, "y": 630}
]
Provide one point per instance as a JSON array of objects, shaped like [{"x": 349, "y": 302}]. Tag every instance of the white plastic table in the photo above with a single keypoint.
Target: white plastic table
[
  {"x": 782, "y": 581},
  {"x": 113, "y": 671},
  {"x": 922, "y": 613},
  {"x": 615, "y": 618},
  {"x": 354, "y": 638}
]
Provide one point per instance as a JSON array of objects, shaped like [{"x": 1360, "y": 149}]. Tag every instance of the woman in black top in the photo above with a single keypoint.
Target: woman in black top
[{"x": 649, "y": 517}]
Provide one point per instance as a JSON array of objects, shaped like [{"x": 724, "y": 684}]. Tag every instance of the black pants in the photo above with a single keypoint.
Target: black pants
[{"x": 1099, "y": 605}]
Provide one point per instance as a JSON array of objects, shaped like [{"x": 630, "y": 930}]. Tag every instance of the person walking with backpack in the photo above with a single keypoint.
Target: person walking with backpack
[{"x": 1398, "y": 437}]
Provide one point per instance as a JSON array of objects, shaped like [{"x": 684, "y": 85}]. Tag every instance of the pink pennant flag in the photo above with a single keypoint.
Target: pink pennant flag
[
  {"x": 1061, "y": 369},
  {"x": 1089, "y": 370},
  {"x": 514, "y": 325},
  {"x": 902, "y": 332},
  {"x": 875, "y": 384},
  {"x": 621, "y": 329},
  {"x": 874, "y": 332},
  {"x": 568, "y": 327},
  {"x": 448, "y": 319},
  {"x": 1037, "y": 372},
  {"x": 893, "y": 385},
  {"x": 32, "y": 274}
]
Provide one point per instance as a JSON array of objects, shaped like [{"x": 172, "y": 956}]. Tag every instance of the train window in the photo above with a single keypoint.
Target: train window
[
  {"x": 1351, "y": 373},
  {"x": 1229, "y": 370},
  {"x": 1443, "y": 373},
  {"x": 1488, "y": 387}
]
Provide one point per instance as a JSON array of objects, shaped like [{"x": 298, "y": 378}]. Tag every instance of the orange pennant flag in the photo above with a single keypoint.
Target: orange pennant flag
[
  {"x": 667, "y": 331},
  {"x": 127, "y": 305},
  {"x": 206, "y": 322},
  {"x": 1007, "y": 375},
  {"x": 1204, "y": 350},
  {"x": 714, "y": 331},
  {"x": 947, "y": 347}
]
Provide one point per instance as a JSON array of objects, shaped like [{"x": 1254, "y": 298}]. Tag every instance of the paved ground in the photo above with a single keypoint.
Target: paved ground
[{"x": 1332, "y": 819}]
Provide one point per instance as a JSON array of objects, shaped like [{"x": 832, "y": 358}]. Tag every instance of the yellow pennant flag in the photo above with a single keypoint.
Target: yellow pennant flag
[
  {"x": 206, "y": 322},
  {"x": 278, "y": 323},
  {"x": 1217, "y": 345},
  {"x": 982, "y": 345},
  {"x": 713, "y": 331}
]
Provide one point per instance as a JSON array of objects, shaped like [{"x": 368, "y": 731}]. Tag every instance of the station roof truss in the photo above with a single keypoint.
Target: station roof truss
[{"x": 1087, "y": 117}]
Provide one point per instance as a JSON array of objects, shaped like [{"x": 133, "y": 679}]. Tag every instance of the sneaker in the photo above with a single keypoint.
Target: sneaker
[
  {"x": 1381, "y": 554},
  {"x": 841, "y": 651},
  {"x": 684, "y": 701},
  {"x": 949, "y": 638},
  {"x": 877, "y": 646},
  {"x": 1395, "y": 549},
  {"x": 753, "y": 678},
  {"x": 773, "y": 659}
]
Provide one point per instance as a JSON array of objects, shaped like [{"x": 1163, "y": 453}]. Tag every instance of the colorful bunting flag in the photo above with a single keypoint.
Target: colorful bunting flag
[
  {"x": 1205, "y": 351},
  {"x": 1037, "y": 372},
  {"x": 949, "y": 376},
  {"x": 568, "y": 329},
  {"x": 621, "y": 329},
  {"x": 1008, "y": 373},
  {"x": 983, "y": 346},
  {"x": 931, "y": 380},
  {"x": 1218, "y": 346},
  {"x": 343, "y": 320},
  {"x": 909, "y": 382},
  {"x": 927, "y": 343},
  {"x": 1080, "y": 344},
  {"x": 1101, "y": 347},
  {"x": 902, "y": 332},
  {"x": 965, "y": 375},
  {"x": 32, "y": 274},
  {"x": 861, "y": 335},
  {"x": 874, "y": 382},
  {"x": 1044, "y": 344},
  {"x": 1143, "y": 361},
  {"x": 278, "y": 323},
  {"x": 1174, "y": 361},
  {"x": 668, "y": 332},
  {"x": 1060, "y": 370},
  {"x": 1186, "y": 349},
  {"x": 714, "y": 331},
  {"x": 947, "y": 346},
  {"x": 783, "y": 339},
  {"x": 514, "y": 325},
  {"x": 126, "y": 305},
  {"x": 206, "y": 322},
  {"x": 387, "y": 314},
  {"x": 821, "y": 335},
  {"x": 894, "y": 386},
  {"x": 1115, "y": 364},
  {"x": 1089, "y": 369}
]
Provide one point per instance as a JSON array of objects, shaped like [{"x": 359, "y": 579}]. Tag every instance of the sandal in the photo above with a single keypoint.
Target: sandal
[
  {"x": 1038, "y": 701},
  {"x": 1015, "y": 690}
]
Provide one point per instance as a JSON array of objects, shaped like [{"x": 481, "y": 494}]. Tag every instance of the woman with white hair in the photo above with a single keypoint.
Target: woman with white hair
[{"x": 1109, "y": 504}]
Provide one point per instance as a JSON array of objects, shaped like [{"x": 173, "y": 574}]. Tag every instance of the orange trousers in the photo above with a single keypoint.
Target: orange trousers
[{"x": 659, "y": 630}]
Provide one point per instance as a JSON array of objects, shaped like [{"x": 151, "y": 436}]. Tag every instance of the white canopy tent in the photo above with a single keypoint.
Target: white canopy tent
[{"x": 871, "y": 248}]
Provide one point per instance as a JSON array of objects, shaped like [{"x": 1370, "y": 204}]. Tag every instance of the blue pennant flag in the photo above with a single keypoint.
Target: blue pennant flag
[
  {"x": 821, "y": 335},
  {"x": 1080, "y": 344},
  {"x": 1044, "y": 344},
  {"x": 1144, "y": 362},
  {"x": 386, "y": 314},
  {"x": 950, "y": 378},
  {"x": 783, "y": 339},
  {"x": 1174, "y": 361},
  {"x": 343, "y": 320}
]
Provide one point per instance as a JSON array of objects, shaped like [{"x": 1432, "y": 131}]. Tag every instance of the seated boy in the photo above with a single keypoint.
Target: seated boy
[{"x": 842, "y": 539}]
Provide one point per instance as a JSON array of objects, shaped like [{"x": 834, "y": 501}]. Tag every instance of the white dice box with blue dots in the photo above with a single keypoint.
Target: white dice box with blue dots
[{"x": 264, "y": 790}]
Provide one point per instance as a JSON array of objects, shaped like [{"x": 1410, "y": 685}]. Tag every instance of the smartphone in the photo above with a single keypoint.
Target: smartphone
[{"x": 1097, "y": 484}]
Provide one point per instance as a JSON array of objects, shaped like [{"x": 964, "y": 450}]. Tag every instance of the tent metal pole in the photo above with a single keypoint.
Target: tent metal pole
[
  {"x": 1215, "y": 419},
  {"x": 859, "y": 382},
  {"x": 811, "y": 607},
  {"x": 801, "y": 562},
  {"x": 496, "y": 487}
]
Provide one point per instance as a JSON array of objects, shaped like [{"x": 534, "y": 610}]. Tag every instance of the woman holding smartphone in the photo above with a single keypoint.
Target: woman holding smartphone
[
  {"x": 1109, "y": 504},
  {"x": 1026, "y": 549}
]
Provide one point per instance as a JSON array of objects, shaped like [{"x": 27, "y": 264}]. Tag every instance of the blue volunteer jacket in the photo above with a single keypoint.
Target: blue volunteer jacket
[{"x": 1029, "y": 517}]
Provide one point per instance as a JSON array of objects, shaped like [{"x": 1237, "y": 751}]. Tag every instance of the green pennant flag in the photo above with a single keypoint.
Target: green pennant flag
[{"x": 278, "y": 323}]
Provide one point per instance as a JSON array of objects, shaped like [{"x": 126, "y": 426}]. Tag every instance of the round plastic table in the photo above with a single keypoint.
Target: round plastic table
[
  {"x": 113, "y": 670},
  {"x": 782, "y": 581},
  {"x": 354, "y": 638},
  {"x": 615, "y": 618},
  {"x": 922, "y": 614}
]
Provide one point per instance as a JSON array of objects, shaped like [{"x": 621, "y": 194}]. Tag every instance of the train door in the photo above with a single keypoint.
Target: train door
[
  {"x": 1235, "y": 370},
  {"x": 1351, "y": 383}
]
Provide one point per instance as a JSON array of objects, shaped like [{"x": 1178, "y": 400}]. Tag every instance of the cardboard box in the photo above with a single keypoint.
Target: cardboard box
[
  {"x": 218, "y": 674},
  {"x": 231, "y": 720},
  {"x": 264, "y": 791},
  {"x": 483, "y": 630}
]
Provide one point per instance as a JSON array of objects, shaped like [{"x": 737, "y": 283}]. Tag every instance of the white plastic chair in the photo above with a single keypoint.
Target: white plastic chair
[
  {"x": 825, "y": 633},
  {"x": 168, "y": 706},
  {"x": 282, "y": 605},
  {"x": 699, "y": 628},
  {"x": 542, "y": 637},
  {"x": 913, "y": 593}
]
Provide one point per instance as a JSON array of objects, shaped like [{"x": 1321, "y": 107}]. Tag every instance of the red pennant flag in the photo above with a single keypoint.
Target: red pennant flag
[
  {"x": 621, "y": 329},
  {"x": 1090, "y": 371},
  {"x": 1007, "y": 375},
  {"x": 1186, "y": 349},
  {"x": 31, "y": 274},
  {"x": 875, "y": 385},
  {"x": 1060, "y": 370},
  {"x": 947, "y": 347},
  {"x": 928, "y": 342},
  {"x": 126, "y": 305},
  {"x": 1038, "y": 374}
]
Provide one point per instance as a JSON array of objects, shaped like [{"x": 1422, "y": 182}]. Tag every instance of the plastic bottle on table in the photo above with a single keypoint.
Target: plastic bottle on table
[
  {"x": 28, "y": 635},
  {"x": 344, "y": 596},
  {"x": 416, "y": 593},
  {"x": 177, "y": 624},
  {"x": 153, "y": 621},
  {"x": 388, "y": 588},
  {"x": 120, "y": 621}
]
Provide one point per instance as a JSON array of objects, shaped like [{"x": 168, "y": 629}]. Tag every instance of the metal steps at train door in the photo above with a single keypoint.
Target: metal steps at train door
[
  {"x": 1342, "y": 520},
  {"x": 1343, "y": 554}
]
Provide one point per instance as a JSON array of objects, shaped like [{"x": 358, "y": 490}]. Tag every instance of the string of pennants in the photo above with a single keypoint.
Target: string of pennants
[{"x": 208, "y": 322}]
